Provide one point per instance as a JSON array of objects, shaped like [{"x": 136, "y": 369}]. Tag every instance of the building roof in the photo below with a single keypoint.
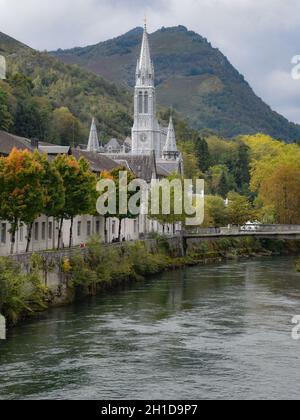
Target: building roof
[
  {"x": 114, "y": 144},
  {"x": 9, "y": 141},
  {"x": 55, "y": 150},
  {"x": 98, "y": 162},
  {"x": 143, "y": 166},
  {"x": 166, "y": 168}
]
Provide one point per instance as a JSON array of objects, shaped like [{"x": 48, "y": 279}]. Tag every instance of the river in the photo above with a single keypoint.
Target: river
[{"x": 209, "y": 332}]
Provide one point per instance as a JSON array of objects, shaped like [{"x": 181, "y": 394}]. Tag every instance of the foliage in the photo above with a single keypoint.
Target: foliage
[
  {"x": 80, "y": 190},
  {"x": 122, "y": 178},
  {"x": 215, "y": 212},
  {"x": 20, "y": 294},
  {"x": 240, "y": 210},
  {"x": 22, "y": 196},
  {"x": 52, "y": 101}
]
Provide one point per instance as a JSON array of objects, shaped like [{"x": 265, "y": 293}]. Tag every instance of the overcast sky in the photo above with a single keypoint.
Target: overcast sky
[{"x": 259, "y": 37}]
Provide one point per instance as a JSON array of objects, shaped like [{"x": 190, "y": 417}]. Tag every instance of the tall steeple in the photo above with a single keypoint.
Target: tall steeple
[
  {"x": 170, "y": 151},
  {"x": 146, "y": 132},
  {"x": 93, "y": 144},
  {"x": 145, "y": 69}
]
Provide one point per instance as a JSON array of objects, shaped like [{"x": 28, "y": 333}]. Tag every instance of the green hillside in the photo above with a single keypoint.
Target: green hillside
[
  {"x": 192, "y": 76},
  {"x": 54, "y": 86}
]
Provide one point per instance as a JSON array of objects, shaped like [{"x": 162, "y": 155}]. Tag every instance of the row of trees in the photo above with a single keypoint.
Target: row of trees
[
  {"x": 264, "y": 170},
  {"x": 31, "y": 185}
]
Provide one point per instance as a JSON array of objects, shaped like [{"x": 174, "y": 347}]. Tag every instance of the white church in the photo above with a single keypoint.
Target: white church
[
  {"x": 148, "y": 137},
  {"x": 151, "y": 154}
]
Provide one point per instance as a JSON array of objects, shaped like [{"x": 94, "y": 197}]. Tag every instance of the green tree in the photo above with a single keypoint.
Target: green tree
[
  {"x": 240, "y": 210},
  {"x": 215, "y": 211},
  {"x": 6, "y": 118},
  {"x": 176, "y": 211},
  {"x": 80, "y": 191},
  {"x": 239, "y": 166},
  {"x": 121, "y": 177},
  {"x": 202, "y": 154},
  {"x": 66, "y": 128}
]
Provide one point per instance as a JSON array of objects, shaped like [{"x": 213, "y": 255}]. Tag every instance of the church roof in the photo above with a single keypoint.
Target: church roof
[
  {"x": 114, "y": 144},
  {"x": 166, "y": 168},
  {"x": 143, "y": 166},
  {"x": 98, "y": 162},
  {"x": 93, "y": 144},
  {"x": 55, "y": 150}
]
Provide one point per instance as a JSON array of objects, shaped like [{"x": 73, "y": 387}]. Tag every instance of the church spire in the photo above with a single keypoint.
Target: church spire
[
  {"x": 145, "y": 69},
  {"x": 93, "y": 144},
  {"x": 170, "y": 151}
]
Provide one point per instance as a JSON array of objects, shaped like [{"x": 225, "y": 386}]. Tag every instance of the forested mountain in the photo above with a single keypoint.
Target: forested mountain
[
  {"x": 45, "y": 98},
  {"x": 192, "y": 76}
]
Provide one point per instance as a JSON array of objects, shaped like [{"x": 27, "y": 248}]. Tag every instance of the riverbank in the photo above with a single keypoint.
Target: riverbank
[{"x": 51, "y": 281}]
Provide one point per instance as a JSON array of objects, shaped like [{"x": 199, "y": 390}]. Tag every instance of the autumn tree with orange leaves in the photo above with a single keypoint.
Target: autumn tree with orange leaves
[{"x": 21, "y": 190}]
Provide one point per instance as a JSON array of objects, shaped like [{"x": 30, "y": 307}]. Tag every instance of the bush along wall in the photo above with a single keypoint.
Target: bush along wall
[{"x": 101, "y": 267}]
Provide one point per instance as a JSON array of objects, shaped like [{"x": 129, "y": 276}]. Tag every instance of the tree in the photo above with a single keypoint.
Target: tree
[
  {"x": 6, "y": 118},
  {"x": 21, "y": 190},
  {"x": 66, "y": 127},
  {"x": 240, "y": 210},
  {"x": 281, "y": 191},
  {"x": 121, "y": 213},
  {"x": 176, "y": 211},
  {"x": 202, "y": 154},
  {"x": 220, "y": 180},
  {"x": 53, "y": 191},
  {"x": 239, "y": 165},
  {"x": 215, "y": 211},
  {"x": 80, "y": 190}
]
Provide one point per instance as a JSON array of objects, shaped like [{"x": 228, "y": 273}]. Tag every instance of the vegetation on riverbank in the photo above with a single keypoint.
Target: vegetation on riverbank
[
  {"x": 21, "y": 295},
  {"x": 103, "y": 267}
]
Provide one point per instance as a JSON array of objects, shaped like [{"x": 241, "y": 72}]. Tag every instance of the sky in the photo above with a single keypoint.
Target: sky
[{"x": 259, "y": 37}]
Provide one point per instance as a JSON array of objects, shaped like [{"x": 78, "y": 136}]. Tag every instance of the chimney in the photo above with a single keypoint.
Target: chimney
[{"x": 34, "y": 143}]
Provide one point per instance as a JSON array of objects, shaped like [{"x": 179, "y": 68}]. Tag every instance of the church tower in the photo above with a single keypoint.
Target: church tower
[
  {"x": 170, "y": 151},
  {"x": 146, "y": 133},
  {"x": 93, "y": 144}
]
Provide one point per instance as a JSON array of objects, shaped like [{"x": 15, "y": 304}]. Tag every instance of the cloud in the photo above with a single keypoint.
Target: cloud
[{"x": 258, "y": 36}]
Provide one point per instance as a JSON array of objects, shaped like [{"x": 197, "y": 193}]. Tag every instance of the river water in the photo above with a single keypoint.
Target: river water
[{"x": 213, "y": 332}]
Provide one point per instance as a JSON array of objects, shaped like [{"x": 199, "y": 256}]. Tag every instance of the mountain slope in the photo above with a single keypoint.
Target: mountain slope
[
  {"x": 192, "y": 76},
  {"x": 84, "y": 93},
  {"x": 10, "y": 45}
]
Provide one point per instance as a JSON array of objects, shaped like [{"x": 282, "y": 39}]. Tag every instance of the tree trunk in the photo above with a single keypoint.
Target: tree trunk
[
  {"x": 105, "y": 231},
  {"x": 29, "y": 235},
  {"x": 120, "y": 230},
  {"x": 13, "y": 241},
  {"x": 59, "y": 233},
  {"x": 71, "y": 232}
]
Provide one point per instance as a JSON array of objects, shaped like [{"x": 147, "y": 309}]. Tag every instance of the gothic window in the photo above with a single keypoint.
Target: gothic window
[
  {"x": 146, "y": 103},
  {"x": 141, "y": 102}
]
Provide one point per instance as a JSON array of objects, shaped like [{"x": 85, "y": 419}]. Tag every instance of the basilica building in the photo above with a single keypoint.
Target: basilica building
[{"x": 148, "y": 138}]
